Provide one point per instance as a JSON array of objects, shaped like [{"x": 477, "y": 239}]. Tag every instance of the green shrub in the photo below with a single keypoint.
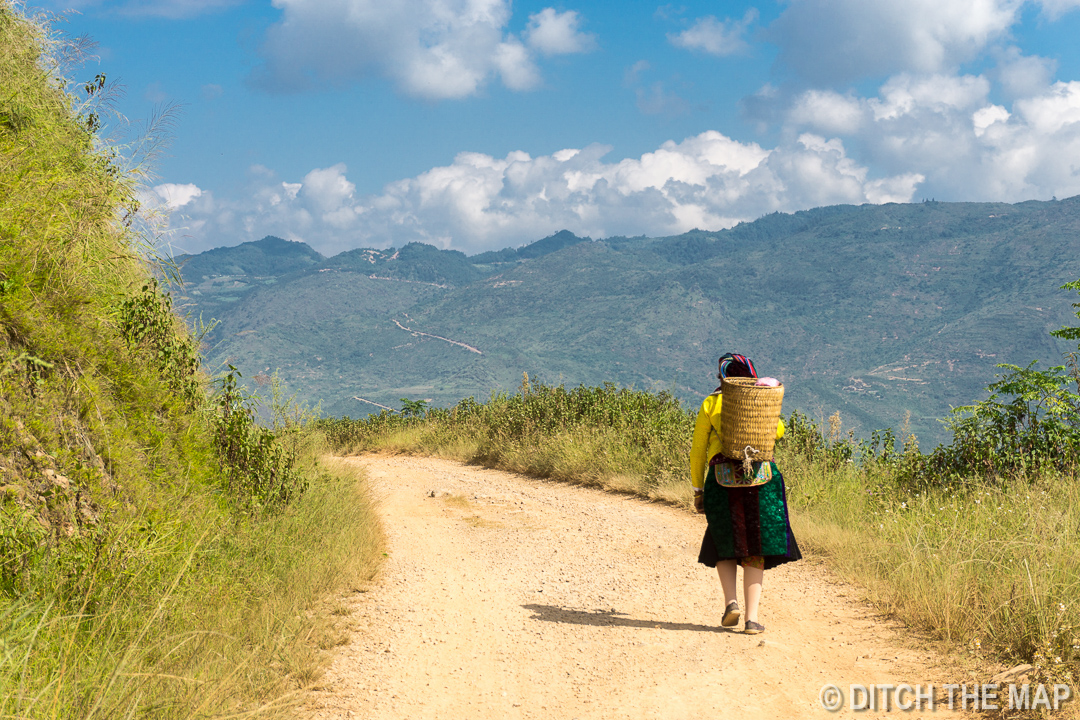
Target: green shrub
[
  {"x": 1030, "y": 421},
  {"x": 259, "y": 470},
  {"x": 147, "y": 322},
  {"x": 608, "y": 436}
]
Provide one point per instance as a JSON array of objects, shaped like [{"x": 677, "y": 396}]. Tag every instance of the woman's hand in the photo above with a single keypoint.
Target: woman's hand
[{"x": 699, "y": 501}]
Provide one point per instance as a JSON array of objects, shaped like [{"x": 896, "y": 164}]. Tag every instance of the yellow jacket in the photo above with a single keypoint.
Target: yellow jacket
[{"x": 707, "y": 439}]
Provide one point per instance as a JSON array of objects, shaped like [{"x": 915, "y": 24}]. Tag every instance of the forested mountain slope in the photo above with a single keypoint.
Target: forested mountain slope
[{"x": 872, "y": 310}]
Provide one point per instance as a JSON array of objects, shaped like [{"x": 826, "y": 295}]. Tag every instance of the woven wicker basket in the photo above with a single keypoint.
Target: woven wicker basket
[{"x": 748, "y": 418}]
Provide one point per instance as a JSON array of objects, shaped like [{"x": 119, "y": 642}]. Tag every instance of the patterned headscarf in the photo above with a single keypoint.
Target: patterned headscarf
[{"x": 736, "y": 366}]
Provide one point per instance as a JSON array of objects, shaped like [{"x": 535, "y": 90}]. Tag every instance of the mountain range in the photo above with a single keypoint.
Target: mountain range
[{"x": 876, "y": 311}]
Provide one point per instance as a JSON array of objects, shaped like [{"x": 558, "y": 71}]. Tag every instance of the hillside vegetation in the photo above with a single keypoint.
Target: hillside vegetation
[
  {"x": 877, "y": 311},
  {"x": 159, "y": 550}
]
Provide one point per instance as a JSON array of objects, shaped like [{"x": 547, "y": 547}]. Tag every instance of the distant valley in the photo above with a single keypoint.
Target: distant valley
[{"x": 875, "y": 310}]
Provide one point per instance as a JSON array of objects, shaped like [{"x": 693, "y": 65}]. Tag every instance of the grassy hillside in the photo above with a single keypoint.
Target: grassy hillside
[
  {"x": 159, "y": 551},
  {"x": 876, "y": 311}
]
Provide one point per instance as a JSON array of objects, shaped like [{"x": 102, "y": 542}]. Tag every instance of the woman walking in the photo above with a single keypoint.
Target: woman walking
[{"x": 748, "y": 523}]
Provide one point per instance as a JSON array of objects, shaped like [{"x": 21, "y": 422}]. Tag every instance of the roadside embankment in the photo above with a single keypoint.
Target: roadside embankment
[{"x": 160, "y": 554}]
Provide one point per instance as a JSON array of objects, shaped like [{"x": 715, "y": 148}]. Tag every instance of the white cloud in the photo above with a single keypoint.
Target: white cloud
[
  {"x": 945, "y": 129},
  {"x": 176, "y": 196},
  {"x": 327, "y": 189},
  {"x": 716, "y": 37},
  {"x": 818, "y": 172},
  {"x": 1023, "y": 75},
  {"x": 515, "y": 66},
  {"x": 828, "y": 112},
  {"x": 837, "y": 41},
  {"x": 896, "y": 189},
  {"x": 983, "y": 118},
  {"x": 1054, "y": 113},
  {"x": 1056, "y": 8},
  {"x": 554, "y": 33},
  {"x": 480, "y": 202},
  {"x": 434, "y": 49},
  {"x": 906, "y": 95},
  {"x": 917, "y": 124}
]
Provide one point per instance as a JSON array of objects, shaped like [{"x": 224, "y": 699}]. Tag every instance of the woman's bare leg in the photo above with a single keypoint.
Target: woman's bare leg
[
  {"x": 728, "y": 571},
  {"x": 752, "y": 578}
]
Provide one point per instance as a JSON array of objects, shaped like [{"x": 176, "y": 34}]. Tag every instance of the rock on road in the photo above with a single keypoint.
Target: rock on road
[{"x": 506, "y": 596}]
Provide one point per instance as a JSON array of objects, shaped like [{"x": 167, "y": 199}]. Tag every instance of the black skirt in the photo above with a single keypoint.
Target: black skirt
[{"x": 708, "y": 554}]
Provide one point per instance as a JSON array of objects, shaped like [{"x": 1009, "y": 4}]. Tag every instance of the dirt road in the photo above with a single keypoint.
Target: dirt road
[{"x": 512, "y": 597}]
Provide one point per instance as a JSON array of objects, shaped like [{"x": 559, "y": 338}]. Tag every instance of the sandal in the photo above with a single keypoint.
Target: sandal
[
  {"x": 731, "y": 615},
  {"x": 753, "y": 628}
]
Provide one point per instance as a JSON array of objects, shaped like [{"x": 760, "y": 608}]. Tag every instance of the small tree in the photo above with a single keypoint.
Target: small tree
[
  {"x": 413, "y": 408},
  {"x": 1072, "y": 333},
  {"x": 1031, "y": 418}
]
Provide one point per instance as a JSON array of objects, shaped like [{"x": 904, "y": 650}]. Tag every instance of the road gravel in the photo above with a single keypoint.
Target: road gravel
[{"x": 505, "y": 596}]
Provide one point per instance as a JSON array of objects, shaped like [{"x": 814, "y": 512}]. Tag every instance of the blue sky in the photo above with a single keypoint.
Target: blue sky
[{"x": 478, "y": 124}]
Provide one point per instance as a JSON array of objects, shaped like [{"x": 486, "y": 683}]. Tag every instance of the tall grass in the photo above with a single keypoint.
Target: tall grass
[
  {"x": 208, "y": 619},
  {"x": 615, "y": 438},
  {"x": 992, "y": 567},
  {"x": 990, "y": 562},
  {"x": 160, "y": 554}
]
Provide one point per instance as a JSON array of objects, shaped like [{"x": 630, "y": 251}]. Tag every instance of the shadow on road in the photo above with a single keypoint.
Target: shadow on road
[{"x": 611, "y": 618}]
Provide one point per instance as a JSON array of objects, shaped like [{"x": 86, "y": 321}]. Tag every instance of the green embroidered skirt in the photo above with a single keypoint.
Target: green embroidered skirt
[{"x": 748, "y": 521}]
